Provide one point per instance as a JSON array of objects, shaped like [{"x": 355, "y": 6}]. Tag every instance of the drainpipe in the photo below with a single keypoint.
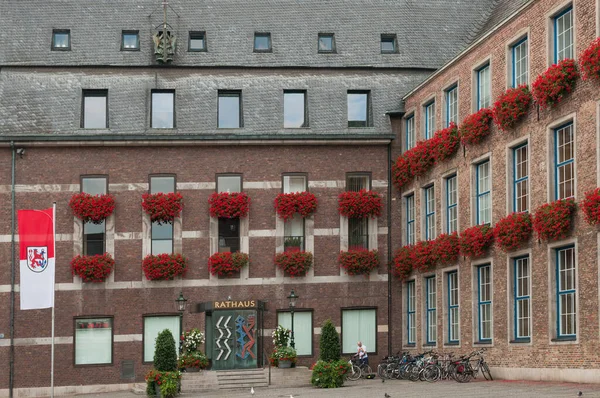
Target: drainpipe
[
  {"x": 11, "y": 377},
  {"x": 389, "y": 245}
]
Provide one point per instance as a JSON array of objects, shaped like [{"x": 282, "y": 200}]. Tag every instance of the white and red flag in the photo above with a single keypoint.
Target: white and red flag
[{"x": 36, "y": 247}]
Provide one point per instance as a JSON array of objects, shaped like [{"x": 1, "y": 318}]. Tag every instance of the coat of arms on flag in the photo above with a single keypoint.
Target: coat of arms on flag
[{"x": 37, "y": 258}]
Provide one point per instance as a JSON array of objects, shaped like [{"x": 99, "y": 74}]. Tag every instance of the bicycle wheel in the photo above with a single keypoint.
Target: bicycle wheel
[
  {"x": 381, "y": 371},
  {"x": 365, "y": 370},
  {"x": 486, "y": 371},
  {"x": 354, "y": 373},
  {"x": 413, "y": 372},
  {"x": 432, "y": 373},
  {"x": 461, "y": 373}
]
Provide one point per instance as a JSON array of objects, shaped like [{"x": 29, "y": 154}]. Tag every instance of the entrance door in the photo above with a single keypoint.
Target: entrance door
[{"x": 234, "y": 343}]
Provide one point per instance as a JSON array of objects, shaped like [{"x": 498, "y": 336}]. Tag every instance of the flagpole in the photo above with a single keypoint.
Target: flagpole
[{"x": 53, "y": 303}]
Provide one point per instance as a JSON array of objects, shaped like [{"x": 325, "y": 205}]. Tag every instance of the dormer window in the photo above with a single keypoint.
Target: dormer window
[
  {"x": 61, "y": 39},
  {"x": 388, "y": 44},
  {"x": 262, "y": 43},
  {"x": 326, "y": 43},
  {"x": 130, "y": 40},
  {"x": 197, "y": 41}
]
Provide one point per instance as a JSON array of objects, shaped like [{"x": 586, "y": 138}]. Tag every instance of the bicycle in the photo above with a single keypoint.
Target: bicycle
[
  {"x": 359, "y": 369},
  {"x": 464, "y": 370}
]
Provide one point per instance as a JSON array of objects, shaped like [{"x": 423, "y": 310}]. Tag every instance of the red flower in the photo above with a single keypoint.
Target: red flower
[
  {"x": 423, "y": 256},
  {"x": 475, "y": 241},
  {"x": 90, "y": 208},
  {"x": 445, "y": 143},
  {"x": 227, "y": 263},
  {"x": 555, "y": 83},
  {"x": 401, "y": 173},
  {"x": 552, "y": 221},
  {"x": 164, "y": 266},
  {"x": 360, "y": 204},
  {"x": 589, "y": 61},
  {"x": 303, "y": 203},
  {"x": 92, "y": 268},
  {"x": 475, "y": 127},
  {"x": 446, "y": 248},
  {"x": 359, "y": 261},
  {"x": 591, "y": 206},
  {"x": 511, "y": 107},
  {"x": 420, "y": 158},
  {"x": 295, "y": 263},
  {"x": 162, "y": 207},
  {"x": 403, "y": 264},
  {"x": 229, "y": 205},
  {"x": 513, "y": 230}
]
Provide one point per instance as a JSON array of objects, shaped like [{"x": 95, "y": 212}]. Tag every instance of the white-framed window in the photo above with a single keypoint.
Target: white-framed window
[
  {"x": 293, "y": 236},
  {"x": 95, "y": 105},
  {"x": 563, "y": 35},
  {"x": 153, "y": 325},
  {"x": 484, "y": 87},
  {"x": 229, "y": 228},
  {"x": 430, "y": 310},
  {"x": 484, "y": 302},
  {"x": 303, "y": 329},
  {"x": 452, "y": 105},
  {"x": 483, "y": 193},
  {"x": 410, "y": 219},
  {"x": 93, "y": 341},
  {"x": 410, "y": 132},
  {"x": 564, "y": 161},
  {"x": 411, "y": 320},
  {"x": 162, "y": 233},
  {"x": 359, "y": 108},
  {"x": 520, "y": 62},
  {"x": 451, "y": 204},
  {"x": 229, "y": 111},
  {"x": 429, "y": 109},
  {"x": 520, "y": 175},
  {"x": 429, "y": 196},
  {"x": 566, "y": 292},
  {"x": 521, "y": 298},
  {"x": 94, "y": 234},
  {"x": 359, "y": 324},
  {"x": 358, "y": 228},
  {"x": 294, "y": 109},
  {"x": 453, "y": 307},
  {"x": 163, "y": 109}
]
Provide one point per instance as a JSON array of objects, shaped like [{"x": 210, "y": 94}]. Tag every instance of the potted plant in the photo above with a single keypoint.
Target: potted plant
[
  {"x": 358, "y": 261},
  {"x": 361, "y": 204},
  {"x": 294, "y": 263},
  {"x": 589, "y": 61},
  {"x": 553, "y": 221},
  {"x": 284, "y": 356},
  {"x": 164, "y": 266},
  {"x": 511, "y": 107},
  {"x": 288, "y": 204},
  {"x": 475, "y": 127},
  {"x": 192, "y": 361},
  {"x": 555, "y": 83},
  {"x": 92, "y": 268},
  {"x": 229, "y": 205},
  {"x": 162, "y": 208},
  {"x": 90, "y": 208},
  {"x": 403, "y": 265},
  {"x": 163, "y": 380},
  {"x": 227, "y": 263}
]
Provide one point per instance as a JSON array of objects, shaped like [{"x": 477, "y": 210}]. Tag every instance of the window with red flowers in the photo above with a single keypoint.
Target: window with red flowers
[
  {"x": 358, "y": 227},
  {"x": 94, "y": 234},
  {"x": 229, "y": 228},
  {"x": 293, "y": 228},
  {"x": 162, "y": 232}
]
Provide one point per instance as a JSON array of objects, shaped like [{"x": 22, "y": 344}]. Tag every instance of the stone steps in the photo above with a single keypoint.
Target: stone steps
[{"x": 234, "y": 379}]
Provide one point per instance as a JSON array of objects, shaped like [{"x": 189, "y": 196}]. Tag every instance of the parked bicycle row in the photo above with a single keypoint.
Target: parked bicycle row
[{"x": 429, "y": 366}]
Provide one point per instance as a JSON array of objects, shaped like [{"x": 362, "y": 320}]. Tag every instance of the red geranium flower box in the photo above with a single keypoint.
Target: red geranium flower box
[
  {"x": 552, "y": 221},
  {"x": 288, "y": 204},
  {"x": 229, "y": 205},
  {"x": 591, "y": 206},
  {"x": 403, "y": 264},
  {"x": 162, "y": 207},
  {"x": 475, "y": 127},
  {"x": 420, "y": 158},
  {"x": 359, "y": 261},
  {"x": 164, "y": 266},
  {"x": 401, "y": 173},
  {"x": 511, "y": 107},
  {"x": 294, "y": 263},
  {"x": 423, "y": 256},
  {"x": 92, "y": 268},
  {"x": 555, "y": 83},
  {"x": 445, "y": 143},
  {"x": 589, "y": 60},
  {"x": 446, "y": 248},
  {"x": 227, "y": 263},
  {"x": 475, "y": 241},
  {"x": 89, "y": 208},
  {"x": 361, "y": 204},
  {"x": 513, "y": 231}
]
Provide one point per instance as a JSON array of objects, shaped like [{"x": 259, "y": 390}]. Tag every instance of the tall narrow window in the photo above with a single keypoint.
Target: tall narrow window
[
  {"x": 522, "y": 298},
  {"x": 410, "y": 132},
  {"x": 162, "y": 233},
  {"x": 294, "y": 109},
  {"x": 429, "y": 120},
  {"x": 453, "y": 308},
  {"x": 163, "y": 109},
  {"x": 411, "y": 327},
  {"x": 563, "y": 35},
  {"x": 521, "y": 178},
  {"x": 303, "y": 329},
  {"x": 566, "y": 293},
  {"x": 520, "y": 63},
  {"x": 153, "y": 325},
  {"x": 564, "y": 165},
  {"x": 451, "y": 204},
  {"x": 229, "y": 228},
  {"x": 410, "y": 219},
  {"x": 429, "y": 212},
  {"x": 294, "y": 228},
  {"x": 230, "y": 109},
  {"x": 94, "y": 235},
  {"x": 358, "y": 228},
  {"x": 483, "y": 193},
  {"x": 358, "y": 109},
  {"x": 431, "y": 309},
  {"x": 484, "y": 302},
  {"x": 452, "y": 105},
  {"x": 95, "y": 103},
  {"x": 484, "y": 87}
]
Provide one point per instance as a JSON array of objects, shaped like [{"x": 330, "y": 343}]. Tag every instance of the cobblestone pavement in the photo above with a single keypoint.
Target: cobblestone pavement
[{"x": 406, "y": 389}]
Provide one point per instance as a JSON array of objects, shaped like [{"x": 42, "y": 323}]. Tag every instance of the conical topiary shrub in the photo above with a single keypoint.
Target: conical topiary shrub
[
  {"x": 330, "y": 342},
  {"x": 165, "y": 353}
]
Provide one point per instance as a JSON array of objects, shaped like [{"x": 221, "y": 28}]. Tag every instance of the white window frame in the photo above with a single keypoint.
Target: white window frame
[{"x": 372, "y": 348}]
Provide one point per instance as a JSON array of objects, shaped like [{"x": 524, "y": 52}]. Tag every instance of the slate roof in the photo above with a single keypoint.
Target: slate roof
[{"x": 430, "y": 32}]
